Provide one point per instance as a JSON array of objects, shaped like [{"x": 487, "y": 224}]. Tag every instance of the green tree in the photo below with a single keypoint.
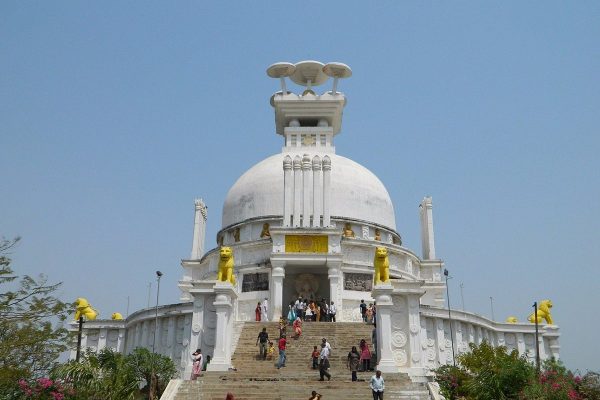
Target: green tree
[
  {"x": 32, "y": 335},
  {"x": 154, "y": 369},
  {"x": 110, "y": 375},
  {"x": 104, "y": 376}
]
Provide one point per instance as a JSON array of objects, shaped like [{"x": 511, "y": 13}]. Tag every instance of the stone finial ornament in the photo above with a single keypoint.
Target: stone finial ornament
[
  {"x": 265, "y": 231},
  {"x": 116, "y": 316},
  {"x": 84, "y": 309},
  {"x": 512, "y": 320},
  {"x": 225, "y": 273},
  {"x": 381, "y": 263},
  {"x": 348, "y": 232},
  {"x": 543, "y": 313}
]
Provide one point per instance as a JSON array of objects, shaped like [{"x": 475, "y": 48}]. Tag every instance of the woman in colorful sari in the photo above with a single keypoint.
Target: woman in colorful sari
[
  {"x": 257, "y": 312},
  {"x": 291, "y": 314},
  {"x": 297, "y": 328},
  {"x": 196, "y": 364}
]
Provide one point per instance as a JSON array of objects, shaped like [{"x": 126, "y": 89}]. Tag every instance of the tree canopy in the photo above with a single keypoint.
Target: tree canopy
[{"x": 32, "y": 335}]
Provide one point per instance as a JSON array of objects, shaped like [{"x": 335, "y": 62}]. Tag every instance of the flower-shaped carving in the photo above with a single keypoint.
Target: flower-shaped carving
[{"x": 399, "y": 339}]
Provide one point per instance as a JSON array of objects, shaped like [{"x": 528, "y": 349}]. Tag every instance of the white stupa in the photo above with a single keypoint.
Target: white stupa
[{"x": 306, "y": 222}]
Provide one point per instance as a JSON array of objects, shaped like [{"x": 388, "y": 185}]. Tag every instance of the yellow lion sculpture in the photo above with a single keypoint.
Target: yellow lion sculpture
[
  {"x": 84, "y": 309},
  {"x": 116, "y": 316},
  {"x": 381, "y": 263},
  {"x": 512, "y": 320},
  {"x": 543, "y": 313},
  {"x": 225, "y": 273}
]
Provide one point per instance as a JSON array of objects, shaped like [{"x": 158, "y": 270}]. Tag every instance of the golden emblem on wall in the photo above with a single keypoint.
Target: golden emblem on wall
[{"x": 306, "y": 243}]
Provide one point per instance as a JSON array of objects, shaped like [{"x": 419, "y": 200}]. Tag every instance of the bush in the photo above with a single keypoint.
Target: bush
[{"x": 486, "y": 373}]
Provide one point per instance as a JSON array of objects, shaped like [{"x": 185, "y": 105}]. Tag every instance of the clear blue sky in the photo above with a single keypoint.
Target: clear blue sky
[{"x": 114, "y": 116}]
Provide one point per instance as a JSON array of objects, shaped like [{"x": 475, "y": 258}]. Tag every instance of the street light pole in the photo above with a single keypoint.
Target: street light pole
[
  {"x": 450, "y": 317},
  {"x": 537, "y": 343},
  {"x": 158, "y": 276}
]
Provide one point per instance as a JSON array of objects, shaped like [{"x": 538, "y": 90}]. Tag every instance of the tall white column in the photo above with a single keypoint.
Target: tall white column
[
  {"x": 224, "y": 298},
  {"x": 276, "y": 286},
  {"x": 288, "y": 191},
  {"x": 427, "y": 240},
  {"x": 297, "y": 191},
  {"x": 201, "y": 213},
  {"x": 383, "y": 296},
  {"x": 306, "y": 195},
  {"x": 326, "y": 191},
  {"x": 334, "y": 273},
  {"x": 317, "y": 192}
]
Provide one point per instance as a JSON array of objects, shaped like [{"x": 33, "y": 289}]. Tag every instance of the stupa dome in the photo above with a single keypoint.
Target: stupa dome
[{"x": 356, "y": 193}]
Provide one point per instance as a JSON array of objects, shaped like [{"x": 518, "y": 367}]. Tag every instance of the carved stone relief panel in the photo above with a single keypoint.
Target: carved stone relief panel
[
  {"x": 255, "y": 282},
  {"x": 359, "y": 282}
]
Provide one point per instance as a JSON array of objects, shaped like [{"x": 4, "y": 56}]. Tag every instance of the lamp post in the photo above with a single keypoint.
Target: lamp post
[
  {"x": 537, "y": 343},
  {"x": 79, "y": 333},
  {"x": 450, "y": 316},
  {"x": 158, "y": 276}
]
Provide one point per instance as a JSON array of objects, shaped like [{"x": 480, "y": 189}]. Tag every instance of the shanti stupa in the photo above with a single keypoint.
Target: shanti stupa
[{"x": 307, "y": 222}]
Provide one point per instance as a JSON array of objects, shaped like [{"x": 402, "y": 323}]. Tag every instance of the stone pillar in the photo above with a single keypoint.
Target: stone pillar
[
  {"x": 334, "y": 273},
  {"x": 195, "y": 337},
  {"x": 326, "y": 191},
  {"x": 276, "y": 286},
  {"x": 121, "y": 340},
  {"x": 306, "y": 194},
  {"x": 199, "y": 229},
  {"x": 171, "y": 341},
  {"x": 317, "y": 192},
  {"x": 383, "y": 296},
  {"x": 297, "y": 191},
  {"x": 102, "y": 333},
  {"x": 224, "y": 300},
  {"x": 427, "y": 241},
  {"x": 288, "y": 191},
  {"x": 550, "y": 337}
]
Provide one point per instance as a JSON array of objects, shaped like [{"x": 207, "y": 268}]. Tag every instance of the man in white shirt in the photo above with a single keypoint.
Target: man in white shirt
[
  {"x": 324, "y": 363},
  {"x": 264, "y": 310},
  {"x": 377, "y": 386},
  {"x": 332, "y": 311}
]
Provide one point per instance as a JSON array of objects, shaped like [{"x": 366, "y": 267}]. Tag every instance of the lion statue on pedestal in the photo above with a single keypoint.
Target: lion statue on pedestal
[
  {"x": 543, "y": 313},
  {"x": 381, "y": 263},
  {"x": 225, "y": 273},
  {"x": 84, "y": 309}
]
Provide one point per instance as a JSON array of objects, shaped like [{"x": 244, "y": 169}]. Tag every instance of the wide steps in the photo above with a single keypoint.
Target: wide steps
[{"x": 256, "y": 379}]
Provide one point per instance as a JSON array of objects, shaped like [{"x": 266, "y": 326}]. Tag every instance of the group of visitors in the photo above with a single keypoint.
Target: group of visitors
[
  {"x": 368, "y": 313},
  {"x": 359, "y": 359},
  {"x": 312, "y": 310},
  {"x": 261, "y": 311}
]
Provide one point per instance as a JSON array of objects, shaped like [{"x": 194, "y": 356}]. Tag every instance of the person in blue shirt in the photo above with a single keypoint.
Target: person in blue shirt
[{"x": 377, "y": 385}]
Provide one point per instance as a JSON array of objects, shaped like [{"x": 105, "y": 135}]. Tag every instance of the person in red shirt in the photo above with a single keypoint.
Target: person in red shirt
[
  {"x": 282, "y": 344},
  {"x": 315, "y": 358}
]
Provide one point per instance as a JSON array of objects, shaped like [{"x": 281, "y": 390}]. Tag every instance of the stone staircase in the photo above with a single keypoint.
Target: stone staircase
[{"x": 261, "y": 380}]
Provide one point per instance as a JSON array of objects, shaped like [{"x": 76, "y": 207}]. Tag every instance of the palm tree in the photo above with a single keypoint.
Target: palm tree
[{"x": 104, "y": 376}]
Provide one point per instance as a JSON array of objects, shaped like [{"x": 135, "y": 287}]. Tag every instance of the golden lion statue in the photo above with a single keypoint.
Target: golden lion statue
[
  {"x": 116, "y": 316},
  {"x": 512, "y": 320},
  {"x": 381, "y": 263},
  {"x": 543, "y": 313},
  {"x": 225, "y": 273},
  {"x": 84, "y": 309}
]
